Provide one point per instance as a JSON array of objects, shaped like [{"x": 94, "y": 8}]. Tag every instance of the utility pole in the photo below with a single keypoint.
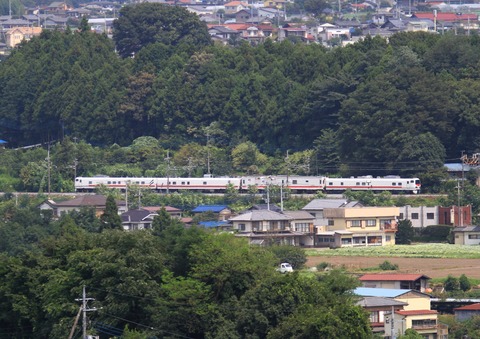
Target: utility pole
[{"x": 85, "y": 309}]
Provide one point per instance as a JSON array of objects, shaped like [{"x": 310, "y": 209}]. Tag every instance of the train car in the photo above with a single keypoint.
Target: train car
[
  {"x": 378, "y": 184},
  {"x": 297, "y": 184},
  {"x": 207, "y": 184}
]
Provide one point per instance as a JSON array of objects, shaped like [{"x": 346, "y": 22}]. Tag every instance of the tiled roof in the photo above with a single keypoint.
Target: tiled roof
[
  {"x": 209, "y": 208},
  {"x": 392, "y": 277},
  {"x": 87, "y": 200},
  {"x": 318, "y": 204},
  {"x": 467, "y": 229},
  {"x": 299, "y": 214},
  {"x": 136, "y": 215},
  {"x": 416, "y": 312},
  {"x": 158, "y": 208},
  {"x": 472, "y": 307},
  {"x": 259, "y": 215},
  {"x": 446, "y": 16},
  {"x": 379, "y": 302}
]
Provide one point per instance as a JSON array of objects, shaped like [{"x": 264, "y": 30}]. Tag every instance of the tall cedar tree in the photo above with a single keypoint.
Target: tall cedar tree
[{"x": 110, "y": 218}]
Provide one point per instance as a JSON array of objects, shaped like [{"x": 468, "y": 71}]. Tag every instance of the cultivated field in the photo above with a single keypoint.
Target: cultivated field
[{"x": 433, "y": 260}]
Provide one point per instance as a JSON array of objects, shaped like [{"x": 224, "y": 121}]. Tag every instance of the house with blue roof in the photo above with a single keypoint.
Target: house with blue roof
[{"x": 223, "y": 212}]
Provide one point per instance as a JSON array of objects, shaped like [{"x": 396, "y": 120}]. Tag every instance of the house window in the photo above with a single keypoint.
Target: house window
[
  {"x": 302, "y": 227},
  {"x": 474, "y": 236},
  {"x": 346, "y": 241},
  {"x": 331, "y": 222},
  {"x": 424, "y": 323},
  {"x": 388, "y": 238},
  {"x": 400, "y": 216},
  {"x": 371, "y": 222},
  {"x": 414, "y": 215},
  {"x": 355, "y": 223},
  {"x": 430, "y": 216},
  {"x": 241, "y": 227}
]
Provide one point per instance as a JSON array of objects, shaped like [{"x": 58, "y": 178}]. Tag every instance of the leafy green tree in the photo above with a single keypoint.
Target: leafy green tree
[
  {"x": 291, "y": 254},
  {"x": 451, "y": 284},
  {"x": 410, "y": 333},
  {"x": 464, "y": 283},
  {"x": 110, "y": 218},
  {"x": 247, "y": 158},
  {"x": 405, "y": 232},
  {"x": 147, "y": 23}
]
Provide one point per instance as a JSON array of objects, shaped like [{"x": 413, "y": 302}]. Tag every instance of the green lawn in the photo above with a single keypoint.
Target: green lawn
[{"x": 407, "y": 251}]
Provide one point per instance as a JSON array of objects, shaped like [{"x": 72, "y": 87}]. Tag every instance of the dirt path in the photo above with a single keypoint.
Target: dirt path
[{"x": 433, "y": 268}]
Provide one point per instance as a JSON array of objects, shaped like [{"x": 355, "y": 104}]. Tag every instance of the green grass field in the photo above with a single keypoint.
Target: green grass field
[{"x": 405, "y": 251}]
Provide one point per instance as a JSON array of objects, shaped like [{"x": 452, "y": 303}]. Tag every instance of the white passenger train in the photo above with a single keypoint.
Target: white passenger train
[{"x": 297, "y": 184}]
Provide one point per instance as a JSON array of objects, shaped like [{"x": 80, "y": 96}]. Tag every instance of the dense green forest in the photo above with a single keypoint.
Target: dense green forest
[
  {"x": 402, "y": 107},
  {"x": 169, "y": 282}
]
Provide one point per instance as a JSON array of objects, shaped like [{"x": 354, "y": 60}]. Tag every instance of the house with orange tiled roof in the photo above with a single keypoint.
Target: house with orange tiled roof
[
  {"x": 416, "y": 282},
  {"x": 16, "y": 35},
  {"x": 235, "y": 6}
]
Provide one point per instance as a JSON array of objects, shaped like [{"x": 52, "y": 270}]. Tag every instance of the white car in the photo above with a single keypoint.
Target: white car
[{"x": 285, "y": 267}]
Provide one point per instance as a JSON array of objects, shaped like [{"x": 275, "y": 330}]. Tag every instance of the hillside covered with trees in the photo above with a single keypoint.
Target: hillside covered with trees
[{"x": 401, "y": 107}]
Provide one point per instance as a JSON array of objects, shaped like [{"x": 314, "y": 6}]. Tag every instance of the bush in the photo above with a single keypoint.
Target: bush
[
  {"x": 388, "y": 266},
  {"x": 322, "y": 266},
  {"x": 464, "y": 283},
  {"x": 451, "y": 284}
]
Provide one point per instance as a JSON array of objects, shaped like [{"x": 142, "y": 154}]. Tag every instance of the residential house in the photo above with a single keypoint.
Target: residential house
[
  {"x": 223, "y": 34},
  {"x": 330, "y": 33},
  {"x": 288, "y": 32},
  {"x": 243, "y": 15},
  {"x": 271, "y": 207},
  {"x": 416, "y": 314},
  {"x": 378, "y": 308},
  {"x": 172, "y": 211},
  {"x": 57, "y": 7},
  {"x": 466, "y": 20},
  {"x": 16, "y": 35},
  {"x": 417, "y": 282},
  {"x": 358, "y": 226},
  {"x": 466, "y": 312},
  {"x": 468, "y": 235},
  {"x": 140, "y": 219},
  {"x": 317, "y": 206},
  {"x": 98, "y": 202},
  {"x": 268, "y": 12},
  {"x": 302, "y": 221},
  {"x": 264, "y": 227},
  {"x": 279, "y": 4},
  {"x": 235, "y": 6},
  {"x": 421, "y": 216},
  {"x": 222, "y": 212}
]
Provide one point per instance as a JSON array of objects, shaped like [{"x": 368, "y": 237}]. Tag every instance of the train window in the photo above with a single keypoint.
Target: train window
[
  {"x": 364, "y": 183},
  {"x": 174, "y": 183},
  {"x": 137, "y": 182},
  {"x": 358, "y": 184},
  {"x": 109, "y": 182},
  {"x": 341, "y": 184},
  {"x": 183, "y": 182},
  {"x": 188, "y": 182},
  {"x": 204, "y": 182},
  {"x": 89, "y": 182},
  {"x": 114, "y": 182},
  {"x": 306, "y": 180},
  {"x": 143, "y": 182},
  {"x": 330, "y": 183},
  {"x": 294, "y": 182},
  {"x": 394, "y": 184},
  {"x": 119, "y": 182},
  {"x": 399, "y": 184}
]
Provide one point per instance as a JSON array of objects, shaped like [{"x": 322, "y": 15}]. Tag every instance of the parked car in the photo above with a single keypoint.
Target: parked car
[{"x": 285, "y": 267}]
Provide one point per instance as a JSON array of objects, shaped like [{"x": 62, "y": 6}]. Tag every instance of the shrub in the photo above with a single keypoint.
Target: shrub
[
  {"x": 451, "y": 284},
  {"x": 294, "y": 255},
  {"x": 322, "y": 266},
  {"x": 388, "y": 266},
  {"x": 464, "y": 283}
]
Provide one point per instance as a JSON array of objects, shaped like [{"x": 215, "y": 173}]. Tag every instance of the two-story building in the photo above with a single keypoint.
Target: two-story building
[
  {"x": 16, "y": 35},
  {"x": 417, "y": 282},
  {"x": 265, "y": 227},
  {"x": 363, "y": 226}
]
